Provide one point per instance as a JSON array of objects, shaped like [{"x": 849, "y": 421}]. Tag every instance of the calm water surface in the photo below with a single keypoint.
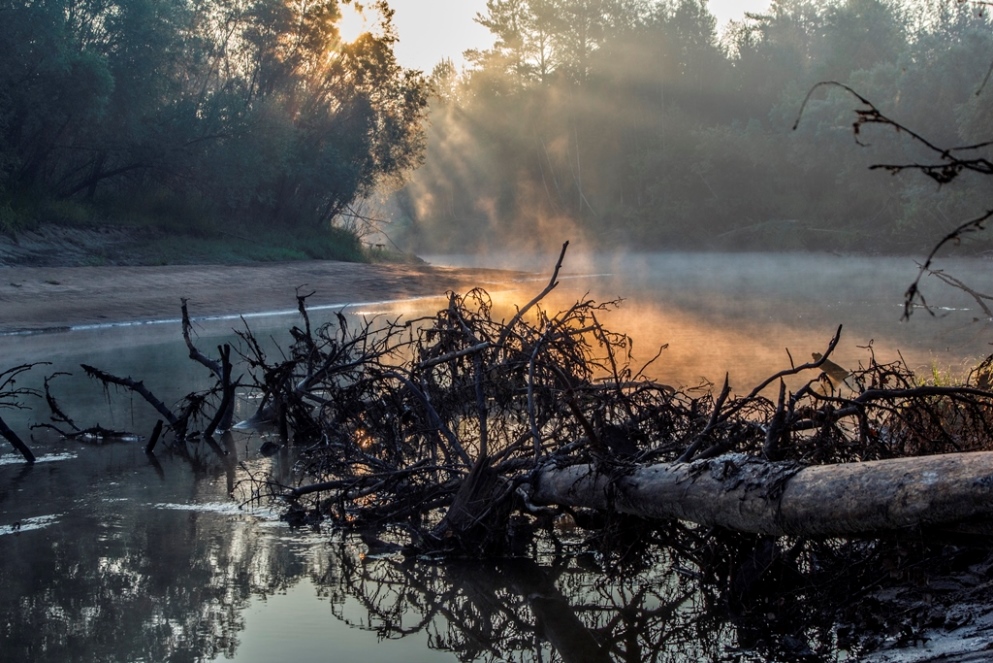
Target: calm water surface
[{"x": 107, "y": 554}]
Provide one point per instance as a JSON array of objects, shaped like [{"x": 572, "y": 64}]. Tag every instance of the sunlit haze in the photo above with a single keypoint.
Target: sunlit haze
[
  {"x": 432, "y": 30},
  {"x": 352, "y": 24}
]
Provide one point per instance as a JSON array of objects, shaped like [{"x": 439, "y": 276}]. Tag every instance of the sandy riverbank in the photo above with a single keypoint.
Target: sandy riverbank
[{"x": 47, "y": 298}]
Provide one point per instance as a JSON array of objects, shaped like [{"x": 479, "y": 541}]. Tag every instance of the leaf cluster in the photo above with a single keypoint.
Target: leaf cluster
[{"x": 208, "y": 114}]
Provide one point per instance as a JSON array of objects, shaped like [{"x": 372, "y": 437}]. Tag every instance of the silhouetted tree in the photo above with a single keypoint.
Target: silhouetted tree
[{"x": 253, "y": 110}]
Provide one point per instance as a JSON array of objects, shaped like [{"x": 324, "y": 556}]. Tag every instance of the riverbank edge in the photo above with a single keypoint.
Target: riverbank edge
[{"x": 49, "y": 299}]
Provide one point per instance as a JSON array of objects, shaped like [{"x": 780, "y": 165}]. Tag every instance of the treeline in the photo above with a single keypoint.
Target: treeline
[
  {"x": 637, "y": 123},
  {"x": 199, "y": 112}
]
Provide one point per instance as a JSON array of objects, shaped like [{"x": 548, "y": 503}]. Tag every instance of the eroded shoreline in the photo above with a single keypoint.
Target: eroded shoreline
[{"x": 41, "y": 299}]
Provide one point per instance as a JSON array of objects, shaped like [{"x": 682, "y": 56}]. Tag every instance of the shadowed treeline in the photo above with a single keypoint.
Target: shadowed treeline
[
  {"x": 638, "y": 123},
  {"x": 221, "y": 114}
]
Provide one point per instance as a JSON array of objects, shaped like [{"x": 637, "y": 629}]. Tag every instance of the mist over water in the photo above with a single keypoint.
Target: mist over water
[
  {"x": 717, "y": 313},
  {"x": 740, "y": 312}
]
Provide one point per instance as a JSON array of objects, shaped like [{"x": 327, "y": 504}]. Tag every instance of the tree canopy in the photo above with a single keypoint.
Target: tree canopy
[
  {"x": 639, "y": 123},
  {"x": 235, "y": 110}
]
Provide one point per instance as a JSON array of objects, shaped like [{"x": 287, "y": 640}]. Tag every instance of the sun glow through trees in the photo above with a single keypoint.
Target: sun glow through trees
[{"x": 354, "y": 21}]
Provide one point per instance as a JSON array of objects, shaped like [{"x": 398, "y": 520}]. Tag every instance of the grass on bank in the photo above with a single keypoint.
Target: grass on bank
[{"x": 168, "y": 231}]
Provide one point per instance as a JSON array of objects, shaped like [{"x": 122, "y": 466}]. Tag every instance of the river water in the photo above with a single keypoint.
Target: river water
[{"x": 107, "y": 554}]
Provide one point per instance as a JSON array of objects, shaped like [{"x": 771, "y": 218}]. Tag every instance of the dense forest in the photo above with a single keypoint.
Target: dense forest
[
  {"x": 610, "y": 122},
  {"x": 199, "y": 113},
  {"x": 637, "y": 122}
]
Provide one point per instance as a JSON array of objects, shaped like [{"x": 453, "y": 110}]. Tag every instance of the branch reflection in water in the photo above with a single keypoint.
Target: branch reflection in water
[
  {"x": 153, "y": 569},
  {"x": 521, "y": 610},
  {"x": 120, "y": 559}
]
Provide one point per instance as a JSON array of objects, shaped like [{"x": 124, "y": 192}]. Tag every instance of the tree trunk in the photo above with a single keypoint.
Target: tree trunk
[
  {"x": 16, "y": 441},
  {"x": 476, "y": 521},
  {"x": 751, "y": 495}
]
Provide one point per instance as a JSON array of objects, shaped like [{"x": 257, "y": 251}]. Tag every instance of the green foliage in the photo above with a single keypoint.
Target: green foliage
[
  {"x": 252, "y": 245},
  {"x": 186, "y": 114},
  {"x": 654, "y": 130}
]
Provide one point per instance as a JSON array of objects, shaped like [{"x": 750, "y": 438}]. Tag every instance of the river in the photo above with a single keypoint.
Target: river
[{"x": 108, "y": 554}]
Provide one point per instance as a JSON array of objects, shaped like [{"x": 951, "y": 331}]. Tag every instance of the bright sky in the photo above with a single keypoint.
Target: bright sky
[{"x": 431, "y": 30}]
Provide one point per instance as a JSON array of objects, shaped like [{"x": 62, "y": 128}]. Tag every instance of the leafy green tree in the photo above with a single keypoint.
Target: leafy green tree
[
  {"x": 859, "y": 35},
  {"x": 50, "y": 89},
  {"x": 524, "y": 31},
  {"x": 585, "y": 26},
  {"x": 774, "y": 49},
  {"x": 242, "y": 109}
]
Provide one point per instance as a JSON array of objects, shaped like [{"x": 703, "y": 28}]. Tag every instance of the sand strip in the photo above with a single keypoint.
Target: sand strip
[{"x": 34, "y": 299}]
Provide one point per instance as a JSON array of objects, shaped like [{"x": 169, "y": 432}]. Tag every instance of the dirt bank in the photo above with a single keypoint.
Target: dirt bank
[{"x": 48, "y": 298}]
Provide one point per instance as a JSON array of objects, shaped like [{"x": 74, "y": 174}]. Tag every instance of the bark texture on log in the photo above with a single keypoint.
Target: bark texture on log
[{"x": 751, "y": 495}]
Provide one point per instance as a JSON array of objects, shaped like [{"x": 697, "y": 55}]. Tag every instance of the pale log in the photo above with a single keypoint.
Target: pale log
[{"x": 748, "y": 494}]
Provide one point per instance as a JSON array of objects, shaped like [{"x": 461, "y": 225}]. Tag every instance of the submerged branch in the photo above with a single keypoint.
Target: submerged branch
[
  {"x": 136, "y": 386},
  {"x": 15, "y": 441}
]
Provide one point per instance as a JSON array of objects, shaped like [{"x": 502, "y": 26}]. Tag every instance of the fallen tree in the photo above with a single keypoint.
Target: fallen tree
[
  {"x": 748, "y": 494},
  {"x": 462, "y": 426}
]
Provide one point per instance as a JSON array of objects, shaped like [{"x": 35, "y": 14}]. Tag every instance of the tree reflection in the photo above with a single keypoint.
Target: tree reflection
[
  {"x": 725, "y": 598},
  {"x": 120, "y": 579},
  {"x": 522, "y": 610}
]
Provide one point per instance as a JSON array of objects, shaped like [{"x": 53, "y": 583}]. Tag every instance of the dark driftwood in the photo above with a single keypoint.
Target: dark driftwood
[
  {"x": 154, "y": 438},
  {"x": 747, "y": 494},
  {"x": 222, "y": 417},
  {"x": 136, "y": 386},
  {"x": 195, "y": 354},
  {"x": 479, "y": 512},
  {"x": 16, "y": 441}
]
